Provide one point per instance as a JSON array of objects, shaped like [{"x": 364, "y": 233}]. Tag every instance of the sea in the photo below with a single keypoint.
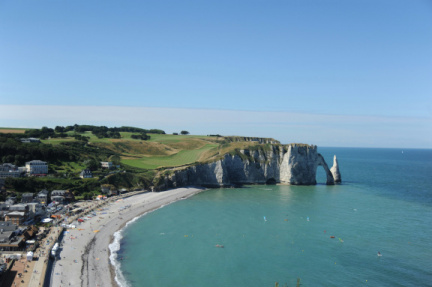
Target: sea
[{"x": 374, "y": 229}]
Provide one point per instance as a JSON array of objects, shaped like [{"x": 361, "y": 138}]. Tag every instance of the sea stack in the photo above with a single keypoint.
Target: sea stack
[{"x": 335, "y": 171}]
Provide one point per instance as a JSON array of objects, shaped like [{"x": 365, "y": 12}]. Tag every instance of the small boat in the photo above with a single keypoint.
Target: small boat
[{"x": 332, "y": 236}]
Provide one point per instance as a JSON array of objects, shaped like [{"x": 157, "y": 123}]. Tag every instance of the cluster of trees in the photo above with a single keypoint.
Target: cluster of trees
[
  {"x": 99, "y": 131},
  {"x": 34, "y": 185},
  {"x": 13, "y": 151},
  {"x": 182, "y": 132},
  {"x": 81, "y": 138},
  {"x": 138, "y": 130},
  {"x": 105, "y": 132},
  {"x": 142, "y": 136},
  {"x": 44, "y": 133}
]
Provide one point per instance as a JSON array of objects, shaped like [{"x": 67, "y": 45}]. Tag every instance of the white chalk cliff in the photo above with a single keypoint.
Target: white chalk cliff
[{"x": 286, "y": 164}]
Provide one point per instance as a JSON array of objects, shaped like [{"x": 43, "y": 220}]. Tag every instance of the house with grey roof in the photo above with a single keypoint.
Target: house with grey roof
[
  {"x": 42, "y": 196},
  {"x": 58, "y": 196},
  {"x": 11, "y": 200},
  {"x": 86, "y": 173},
  {"x": 9, "y": 239},
  {"x": 35, "y": 209},
  {"x": 9, "y": 170},
  {"x": 27, "y": 197}
]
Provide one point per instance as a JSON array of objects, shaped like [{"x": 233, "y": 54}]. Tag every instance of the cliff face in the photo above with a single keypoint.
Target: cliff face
[{"x": 292, "y": 164}]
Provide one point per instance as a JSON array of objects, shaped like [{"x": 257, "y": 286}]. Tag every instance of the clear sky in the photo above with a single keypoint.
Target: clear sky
[{"x": 331, "y": 73}]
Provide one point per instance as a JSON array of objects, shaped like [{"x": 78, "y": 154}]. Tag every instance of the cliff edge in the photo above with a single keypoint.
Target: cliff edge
[{"x": 294, "y": 164}]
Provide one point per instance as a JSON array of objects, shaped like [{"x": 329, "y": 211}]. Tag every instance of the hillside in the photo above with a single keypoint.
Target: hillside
[{"x": 140, "y": 161}]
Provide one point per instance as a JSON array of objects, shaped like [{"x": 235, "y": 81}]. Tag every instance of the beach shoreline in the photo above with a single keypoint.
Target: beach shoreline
[{"x": 85, "y": 254}]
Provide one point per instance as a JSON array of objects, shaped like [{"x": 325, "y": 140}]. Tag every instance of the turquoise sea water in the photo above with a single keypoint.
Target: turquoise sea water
[{"x": 384, "y": 204}]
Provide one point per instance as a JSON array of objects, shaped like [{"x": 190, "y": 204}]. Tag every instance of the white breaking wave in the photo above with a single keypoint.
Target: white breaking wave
[{"x": 114, "y": 247}]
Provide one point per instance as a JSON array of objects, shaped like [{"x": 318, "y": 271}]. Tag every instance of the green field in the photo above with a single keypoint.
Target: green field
[{"x": 181, "y": 158}]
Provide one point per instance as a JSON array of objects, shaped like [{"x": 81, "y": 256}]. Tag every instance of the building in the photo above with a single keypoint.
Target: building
[
  {"x": 4, "y": 208},
  {"x": 21, "y": 208},
  {"x": 7, "y": 226},
  {"x": 35, "y": 209},
  {"x": 58, "y": 196},
  {"x": 36, "y": 167},
  {"x": 27, "y": 197},
  {"x": 69, "y": 196},
  {"x": 9, "y": 170},
  {"x": 9, "y": 239},
  {"x": 11, "y": 200},
  {"x": 106, "y": 164},
  {"x": 86, "y": 173},
  {"x": 109, "y": 189},
  {"x": 30, "y": 140},
  {"x": 42, "y": 196},
  {"x": 15, "y": 217}
]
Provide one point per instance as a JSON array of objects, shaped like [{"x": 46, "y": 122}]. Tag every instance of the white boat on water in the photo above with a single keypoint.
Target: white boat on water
[{"x": 54, "y": 250}]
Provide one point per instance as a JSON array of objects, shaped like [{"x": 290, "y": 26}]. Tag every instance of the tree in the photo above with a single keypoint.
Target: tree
[
  {"x": 92, "y": 164},
  {"x": 59, "y": 129},
  {"x": 115, "y": 159},
  {"x": 184, "y": 132}
]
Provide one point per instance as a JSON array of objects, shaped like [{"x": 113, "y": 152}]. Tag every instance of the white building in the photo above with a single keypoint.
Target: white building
[
  {"x": 106, "y": 164},
  {"x": 86, "y": 174},
  {"x": 37, "y": 167}
]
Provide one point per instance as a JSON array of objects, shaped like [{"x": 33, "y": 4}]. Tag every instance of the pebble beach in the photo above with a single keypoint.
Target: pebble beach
[{"x": 84, "y": 255}]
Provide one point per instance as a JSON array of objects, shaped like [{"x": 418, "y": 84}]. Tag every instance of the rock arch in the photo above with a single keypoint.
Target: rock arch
[{"x": 321, "y": 162}]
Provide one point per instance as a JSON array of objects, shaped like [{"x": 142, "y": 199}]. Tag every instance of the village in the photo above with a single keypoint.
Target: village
[{"x": 32, "y": 227}]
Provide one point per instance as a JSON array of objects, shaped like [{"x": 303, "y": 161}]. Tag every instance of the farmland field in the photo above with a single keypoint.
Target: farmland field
[{"x": 12, "y": 130}]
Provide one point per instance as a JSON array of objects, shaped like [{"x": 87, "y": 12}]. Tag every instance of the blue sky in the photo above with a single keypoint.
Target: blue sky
[{"x": 331, "y": 73}]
